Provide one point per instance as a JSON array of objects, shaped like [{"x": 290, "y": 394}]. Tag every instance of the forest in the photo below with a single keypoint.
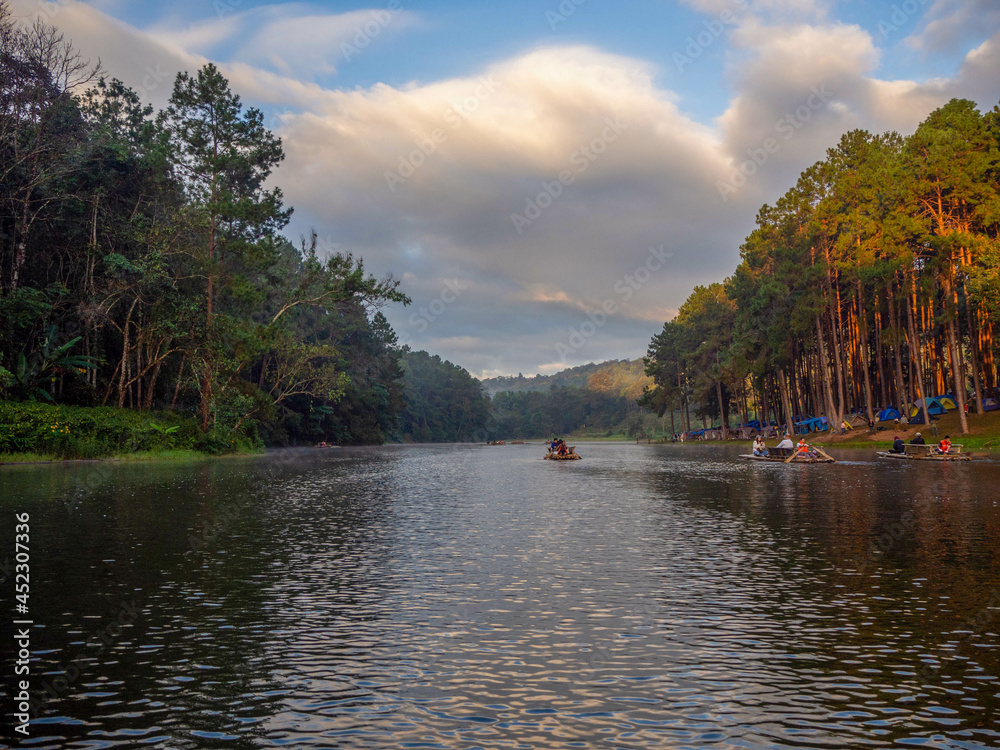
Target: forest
[
  {"x": 443, "y": 403},
  {"x": 142, "y": 267},
  {"x": 874, "y": 282},
  {"x": 595, "y": 400}
]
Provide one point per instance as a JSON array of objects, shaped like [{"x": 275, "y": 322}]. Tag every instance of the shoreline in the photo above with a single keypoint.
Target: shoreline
[{"x": 176, "y": 456}]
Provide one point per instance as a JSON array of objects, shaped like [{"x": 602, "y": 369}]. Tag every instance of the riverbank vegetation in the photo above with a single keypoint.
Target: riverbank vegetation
[
  {"x": 72, "y": 432},
  {"x": 874, "y": 282},
  {"x": 143, "y": 272}
]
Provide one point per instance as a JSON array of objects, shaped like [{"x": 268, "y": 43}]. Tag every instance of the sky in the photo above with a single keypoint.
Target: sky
[{"x": 548, "y": 179}]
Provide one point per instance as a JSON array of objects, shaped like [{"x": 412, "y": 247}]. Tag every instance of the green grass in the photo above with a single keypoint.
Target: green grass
[
  {"x": 27, "y": 458},
  {"x": 31, "y": 431},
  {"x": 169, "y": 455}
]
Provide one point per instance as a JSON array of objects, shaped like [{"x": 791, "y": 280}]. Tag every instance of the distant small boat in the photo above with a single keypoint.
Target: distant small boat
[
  {"x": 791, "y": 456},
  {"x": 927, "y": 453},
  {"x": 570, "y": 455},
  {"x": 517, "y": 442}
]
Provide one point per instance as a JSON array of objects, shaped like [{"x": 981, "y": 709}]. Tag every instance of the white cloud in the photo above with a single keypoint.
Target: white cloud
[
  {"x": 479, "y": 148},
  {"x": 289, "y": 39},
  {"x": 949, "y": 24}
]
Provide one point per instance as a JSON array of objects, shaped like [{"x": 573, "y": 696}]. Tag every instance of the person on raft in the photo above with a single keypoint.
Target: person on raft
[
  {"x": 759, "y": 448},
  {"x": 786, "y": 444},
  {"x": 898, "y": 446},
  {"x": 804, "y": 449},
  {"x": 944, "y": 447},
  {"x": 917, "y": 440}
]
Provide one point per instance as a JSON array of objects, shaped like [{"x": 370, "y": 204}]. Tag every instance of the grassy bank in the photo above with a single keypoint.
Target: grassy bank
[
  {"x": 31, "y": 432},
  {"x": 983, "y": 437},
  {"x": 157, "y": 455},
  {"x": 984, "y": 434}
]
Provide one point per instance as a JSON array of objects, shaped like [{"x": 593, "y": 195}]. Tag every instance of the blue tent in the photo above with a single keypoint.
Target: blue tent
[
  {"x": 888, "y": 414},
  {"x": 934, "y": 407},
  {"x": 810, "y": 424},
  {"x": 947, "y": 401}
]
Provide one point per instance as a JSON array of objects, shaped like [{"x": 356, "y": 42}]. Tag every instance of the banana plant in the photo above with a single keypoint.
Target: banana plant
[{"x": 47, "y": 363}]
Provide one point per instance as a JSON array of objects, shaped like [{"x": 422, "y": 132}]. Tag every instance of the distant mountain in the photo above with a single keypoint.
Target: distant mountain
[{"x": 619, "y": 377}]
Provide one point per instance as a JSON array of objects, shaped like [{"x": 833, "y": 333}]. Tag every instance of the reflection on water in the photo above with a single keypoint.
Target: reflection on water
[{"x": 474, "y": 597}]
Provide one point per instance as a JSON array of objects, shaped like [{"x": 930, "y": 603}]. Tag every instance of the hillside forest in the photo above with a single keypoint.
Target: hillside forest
[{"x": 873, "y": 283}]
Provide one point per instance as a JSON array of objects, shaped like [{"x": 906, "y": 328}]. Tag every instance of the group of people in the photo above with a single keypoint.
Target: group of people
[
  {"x": 558, "y": 446},
  {"x": 943, "y": 448},
  {"x": 760, "y": 449}
]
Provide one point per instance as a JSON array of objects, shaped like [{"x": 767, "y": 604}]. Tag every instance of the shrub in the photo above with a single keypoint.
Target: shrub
[{"x": 88, "y": 432}]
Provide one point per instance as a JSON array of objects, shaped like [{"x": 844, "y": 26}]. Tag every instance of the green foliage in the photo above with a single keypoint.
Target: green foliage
[
  {"x": 34, "y": 373},
  {"x": 141, "y": 264},
  {"x": 560, "y": 411},
  {"x": 76, "y": 432},
  {"x": 872, "y": 281},
  {"x": 7, "y": 379},
  {"x": 443, "y": 402}
]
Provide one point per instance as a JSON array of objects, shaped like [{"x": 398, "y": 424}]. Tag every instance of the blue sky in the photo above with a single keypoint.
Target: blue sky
[
  {"x": 450, "y": 38},
  {"x": 516, "y": 164}
]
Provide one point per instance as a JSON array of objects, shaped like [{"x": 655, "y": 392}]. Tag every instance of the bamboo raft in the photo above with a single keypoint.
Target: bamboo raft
[
  {"x": 792, "y": 456},
  {"x": 927, "y": 453},
  {"x": 571, "y": 455}
]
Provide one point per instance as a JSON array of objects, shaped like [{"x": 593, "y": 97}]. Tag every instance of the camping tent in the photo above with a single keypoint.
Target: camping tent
[
  {"x": 810, "y": 424},
  {"x": 934, "y": 407},
  {"x": 990, "y": 404},
  {"x": 857, "y": 420},
  {"x": 947, "y": 401},
  {"x": 888, "y": 414}
]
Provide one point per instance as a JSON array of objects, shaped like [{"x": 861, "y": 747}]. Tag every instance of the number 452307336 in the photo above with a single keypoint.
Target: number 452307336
[{"x": 22, "y": 569}]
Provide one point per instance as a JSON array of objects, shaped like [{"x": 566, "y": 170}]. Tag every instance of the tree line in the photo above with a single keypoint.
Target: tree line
[
  {"x": 874, "y": 282},
  {"x": 142, "y": 263},
  {"x": 596, "y": 400}
]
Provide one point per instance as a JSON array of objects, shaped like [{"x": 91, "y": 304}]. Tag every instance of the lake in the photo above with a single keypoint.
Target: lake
[{"x": 462, "y": 597}]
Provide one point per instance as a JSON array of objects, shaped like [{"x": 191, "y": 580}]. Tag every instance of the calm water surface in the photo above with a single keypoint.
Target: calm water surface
[{"x": 465, "y": 597}]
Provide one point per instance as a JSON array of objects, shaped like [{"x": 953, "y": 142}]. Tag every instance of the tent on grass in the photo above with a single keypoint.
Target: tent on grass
[
  {"x": 810, "y": 424},
  {"x": 990, "y": 404},
  {"x": 934, "y": 407},
  {"x": 947, "y": 401},
  {"x": 888, "y": 414}
]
